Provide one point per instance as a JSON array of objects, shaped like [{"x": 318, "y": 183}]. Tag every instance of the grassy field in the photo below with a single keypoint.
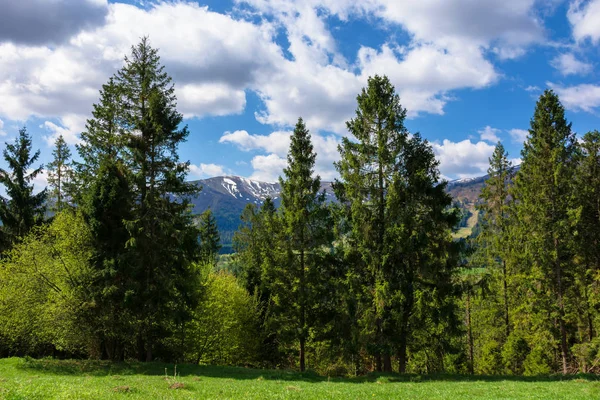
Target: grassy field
[{"x": 48, "y": 379}]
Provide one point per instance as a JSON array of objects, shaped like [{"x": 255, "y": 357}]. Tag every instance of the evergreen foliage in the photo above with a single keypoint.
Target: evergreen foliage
[
  {"x": 23, "y": 209},
  {"x": 210, "y": 242},
  {"x": 401, "y": 225},
  {"x": 60, "y": 175}
]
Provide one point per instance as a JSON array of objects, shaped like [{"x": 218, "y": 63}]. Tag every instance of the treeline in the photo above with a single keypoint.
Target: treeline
[{"x": 372, "y": 282}]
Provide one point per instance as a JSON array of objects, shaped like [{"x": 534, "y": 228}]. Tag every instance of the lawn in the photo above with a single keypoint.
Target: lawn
[{"x": 48, "y": 379}]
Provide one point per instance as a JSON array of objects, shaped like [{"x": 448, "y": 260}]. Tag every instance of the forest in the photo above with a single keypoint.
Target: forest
[{"x": 110, "y": 263}]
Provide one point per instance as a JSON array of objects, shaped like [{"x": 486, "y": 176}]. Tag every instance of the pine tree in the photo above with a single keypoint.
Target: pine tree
[
  {"x": 401, "y": 222},
  {"x": 106, "y": 204},
  {"x": 588, "y": 228},
  {"x": 367, "y": 168},
  {"x": 494, "y": 218},
  {"x": 210, "y": 242},
  {"x": 163, "y": 237},
  {"x": 23, "y": 209},
  {"x": 103, "y": 138},
  {"x": 59, "y": 174},
  {"x": 305, "y": 220},
  {"x": 258, "y": 252},
  {"x": 545, "y": 203}
]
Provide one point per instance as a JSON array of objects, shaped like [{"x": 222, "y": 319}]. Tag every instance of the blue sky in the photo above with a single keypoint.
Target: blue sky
[{"x": 468, "y": 71}]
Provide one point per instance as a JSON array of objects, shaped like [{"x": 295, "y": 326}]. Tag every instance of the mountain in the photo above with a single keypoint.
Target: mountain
[{"x": 227, "y": 196}]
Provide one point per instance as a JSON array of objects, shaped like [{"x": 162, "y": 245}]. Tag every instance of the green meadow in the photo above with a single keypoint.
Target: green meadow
[{"x": 52, "y": 379}]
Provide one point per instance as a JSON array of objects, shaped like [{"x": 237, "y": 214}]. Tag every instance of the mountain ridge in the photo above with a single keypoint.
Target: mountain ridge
[{"x": 227, "y": 196}]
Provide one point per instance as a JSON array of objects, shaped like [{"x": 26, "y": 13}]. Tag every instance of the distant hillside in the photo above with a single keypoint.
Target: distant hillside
[{"x": 227, "y": 196}]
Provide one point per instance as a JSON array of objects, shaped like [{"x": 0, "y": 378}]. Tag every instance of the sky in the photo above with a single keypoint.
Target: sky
[{"x": 467, "y": 71}]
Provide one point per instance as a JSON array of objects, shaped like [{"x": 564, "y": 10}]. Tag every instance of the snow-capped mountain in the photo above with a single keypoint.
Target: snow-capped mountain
[{"x": 227, "y": 196}]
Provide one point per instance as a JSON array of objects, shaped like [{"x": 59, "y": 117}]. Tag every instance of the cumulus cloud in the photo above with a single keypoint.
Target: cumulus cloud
[
  {"x": 36, "y": 22},
  {"x": 518, "y": 135},
  {"x": 463, "y": 159},
  {"x": 216, "y": 58},
  {"x": 489, "y": 134},
  {"x": 584, "y": 97},
  {"x": 206, "y": 170},
  {"x": 71, "y": 125},
  {"x": 277, "y": 144},
  {"x": 267, "y": 168},
  {"x": 567, "y": 64},
  {"x": 213, "y": 58},
  {"x": 583, "y": 17}
]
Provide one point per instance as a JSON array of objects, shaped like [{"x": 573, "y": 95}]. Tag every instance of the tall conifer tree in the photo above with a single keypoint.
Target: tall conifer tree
[
  {"x": 23, "y": 209},
  {"x": 494, "y": 219},
  {"x": 210, "y": 241},
  {"x": 60, "y": 174},
  {"x": 163, "y": 237},
  {"x": 545, "y": 202},
  {"x": 588, "y": 228},
  {"x": 305, "y": 220}
]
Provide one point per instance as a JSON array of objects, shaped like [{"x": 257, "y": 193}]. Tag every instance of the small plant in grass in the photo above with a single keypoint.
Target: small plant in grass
[
  {"x": 122, "y": 389},
  {"x": 175, "y": 382}
]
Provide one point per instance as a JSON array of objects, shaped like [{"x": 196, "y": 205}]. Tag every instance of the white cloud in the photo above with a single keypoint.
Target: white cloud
[
  {"x": 584, "y": 97},
  {"x": 532, "y": 88},
  {"x": 567, "y": 64},
  {"x": 267, "y": 168},
  {"x": 72, "y": 126},
  {"x": 518, "y": 135},
  {"x": 40, "y": 182},
  {"x": 213, "y": 58},
  {"x": 277, "y": 145},
  {"x": 276, "y": 142},
  {"x": 210, "y": 99},
  {"x": 2, "y": 132},
  {"x": 583, "y": 17},
  {"x": 206, "y": 170},
  {"x": 489, "y": 134},
  {"x": 463, "y": 159}
]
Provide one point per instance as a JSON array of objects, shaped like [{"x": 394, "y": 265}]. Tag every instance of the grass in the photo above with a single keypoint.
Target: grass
[
  {"x": 49, "y": 379},
  {"x": 466, "y": 231}
]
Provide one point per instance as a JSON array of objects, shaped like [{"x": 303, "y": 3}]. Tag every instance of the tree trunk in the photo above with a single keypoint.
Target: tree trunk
[
  {"x": 561, "y": 307},
  {"x": 302, "y": 311},
  {"x": 387, "y": 362},
  {"x": 402, "y": 354},
  {"x": 302, "y": 356},
  {"x": 505, "y": 285},
  {"x": 470, "y": 333}
]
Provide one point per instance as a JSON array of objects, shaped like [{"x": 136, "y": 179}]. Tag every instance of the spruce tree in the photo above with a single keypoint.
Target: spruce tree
[
  {"x": 494, "y": 219},
  {"x": 210, "y": 242},
  {"x": 103, "y": 137},
  {"x": 401, "y": 222},
  {"x": 59, "y": 174},
  {"x": 163, "y": 237},
  {"x": 258, "y": 252},
  {"x": 588, "y": 228},
  {"x": 367, "y": 168},
  {"x": 23, "y": 209},
  {"x": 545, "y": 202},
  {"x": 304, "y": 216},
  {"x": 105, "y": 205}
]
